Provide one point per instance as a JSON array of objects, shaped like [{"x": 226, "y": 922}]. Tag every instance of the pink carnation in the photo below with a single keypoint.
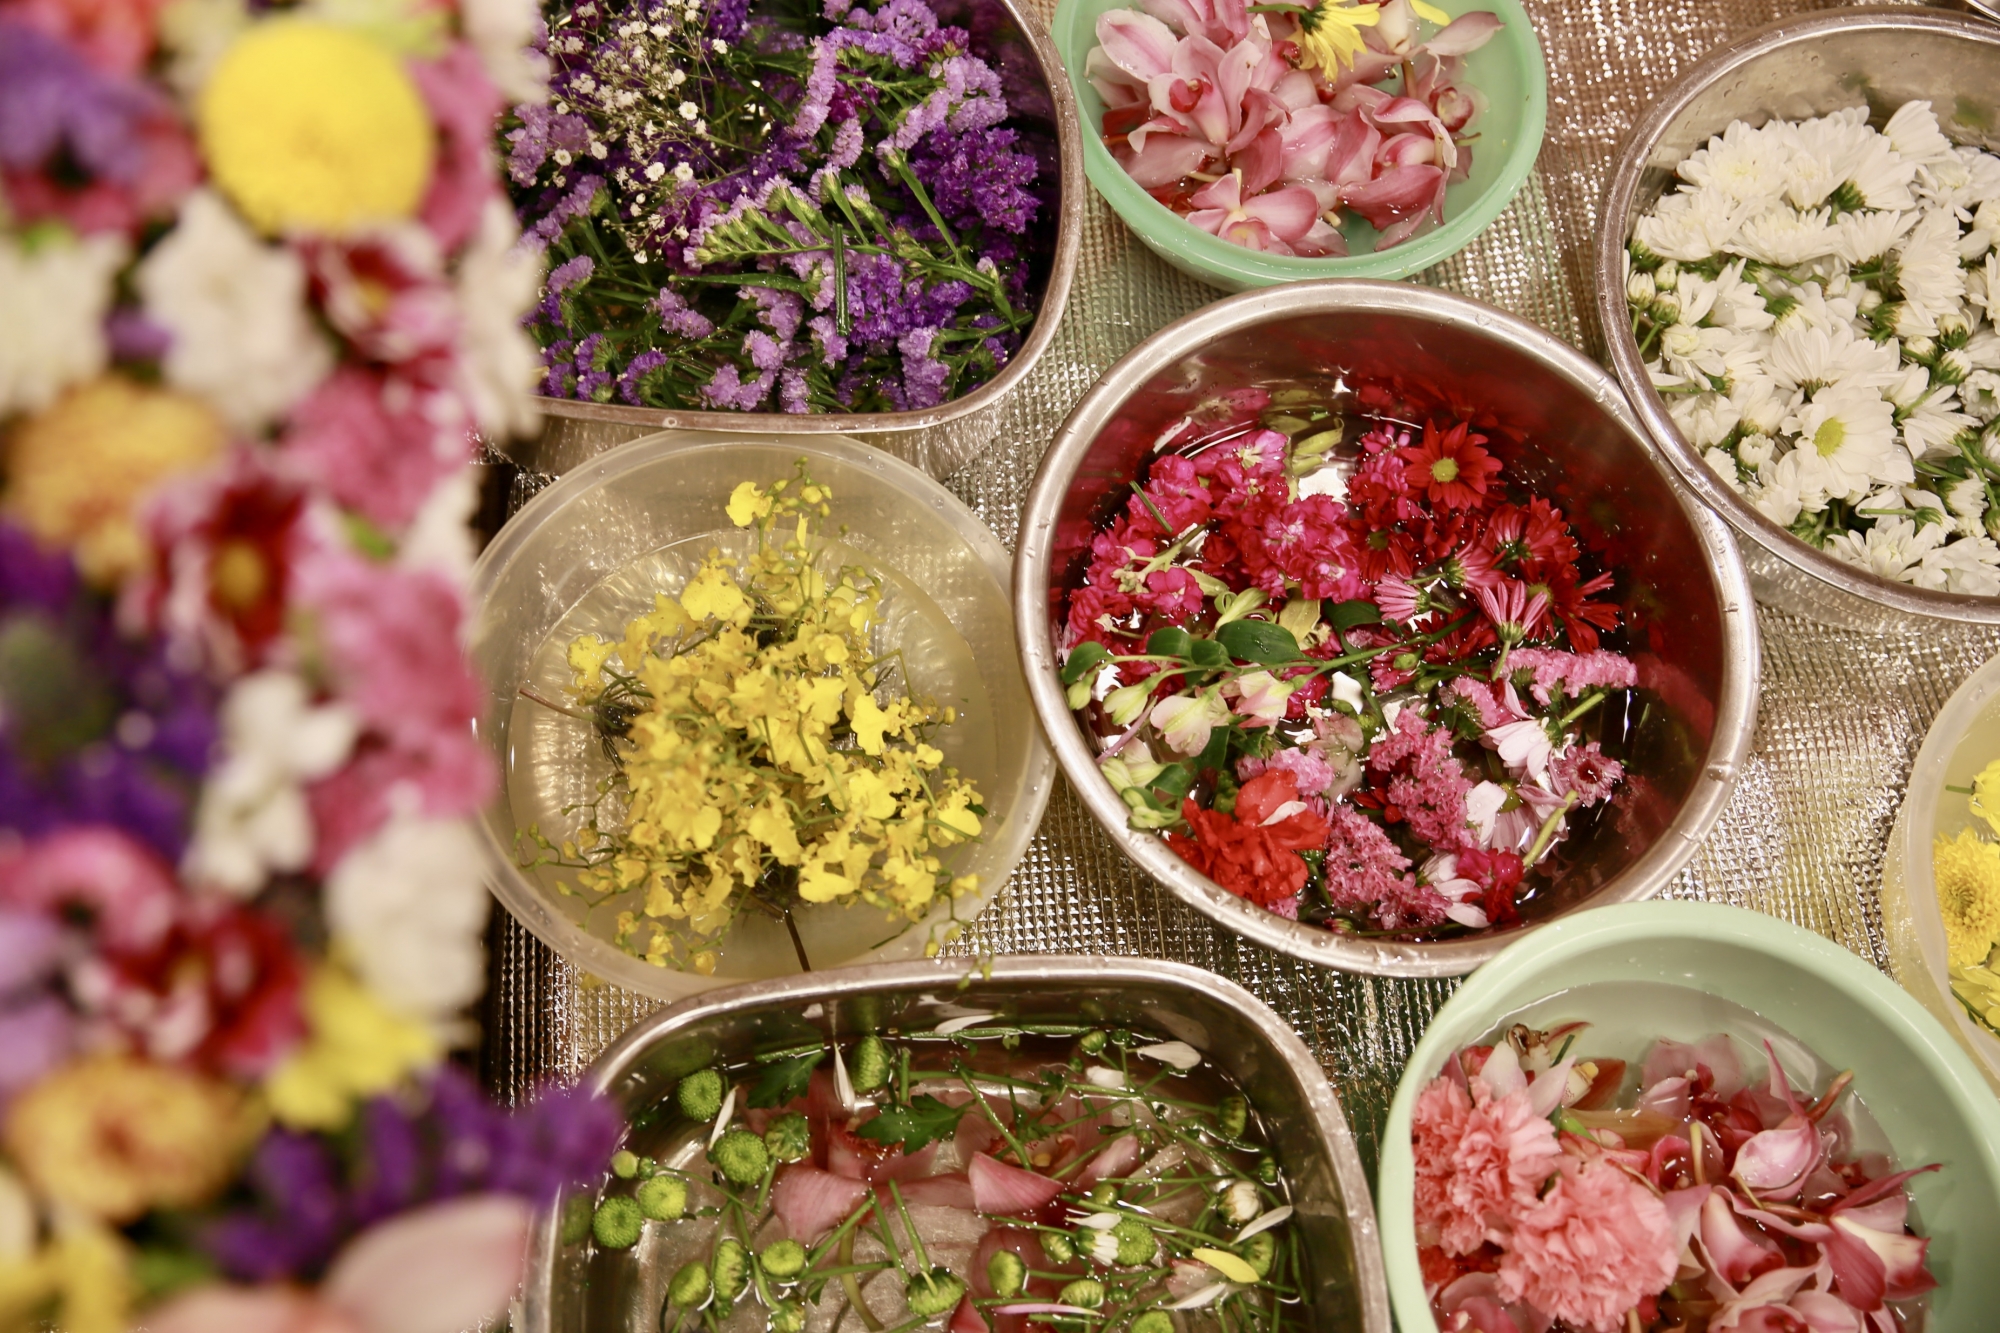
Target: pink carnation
[
  {"x": 375, "y": 444},
  {"x": 1480, "y": 1162},
  {"x": 1594, "y": 1246},
  {"x": 1587, "y": 771}
]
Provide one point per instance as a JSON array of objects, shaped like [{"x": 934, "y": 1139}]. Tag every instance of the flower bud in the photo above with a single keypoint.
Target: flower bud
[
  {"x": 1919, "y": 348},
  {"x": 789, "y": 1317},
  {"x": 624, "y": 1164},
  {"x": 1006, "y": 1273},
  {"x": 1666, "y": 308},
  {"x": 663, "y": 1198},
  {"x": 1954, "y": 329},
  {"x": 1078, "y": 694},
  {"x": 1240, "y": 1202},
  {"x": 1753, "y": 451},
  {"x": 689, "y": 1287},
  {"x": 1085, "y": 1293},
  {"x": 1867, "y": 299},
  {"x": 1232, "y": 1116},
  {"x": 1952, "y": 367},
  {"x": 1125, "y": 703},
  {"x": 783, "y": 1260},
  {"x": 1667, "y": 276},
  {"x": 1639, "y": 289}
]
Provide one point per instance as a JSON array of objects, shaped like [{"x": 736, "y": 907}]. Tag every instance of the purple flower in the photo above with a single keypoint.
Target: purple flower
[
  {"x": 779, "y": 311},
  {"x": 792, "y": 391},
  {"x": 728, "y": 389},
  {"x": 675, "y": 315},
  {"x": 819, "y": 89},
  {"x": 978, "y": 176},
  {"x": 52, "y": 100},
  {"x": 764, "y": 351},
  {"x": 571, "y": 206},
  {"x": 924, "y": 376},
  {"x": 571, "y": 273},
  {"x": 641, "y": 366}
]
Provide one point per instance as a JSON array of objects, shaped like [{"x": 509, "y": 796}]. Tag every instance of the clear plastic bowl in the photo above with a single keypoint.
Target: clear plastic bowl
[
  {"x": 590, "y": 551},
  {"x": 1964, "y": 739}
]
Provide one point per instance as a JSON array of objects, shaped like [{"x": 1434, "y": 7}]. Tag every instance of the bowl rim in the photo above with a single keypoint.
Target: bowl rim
[
  {"x": 1946, "y": 734},
  {"x": 1634, "y": 157},
  {"x": 1055, "y": 300},
  {"x": 1633, "y": 925},
  {"x": 1220, "y": 261},
  {"x": 1077, "y": 972},
  {"x": 1736, "y": 708},
  {"x": 503, "y": 878}
]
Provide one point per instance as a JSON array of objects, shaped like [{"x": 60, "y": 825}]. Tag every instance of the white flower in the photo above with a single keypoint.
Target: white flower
[
  {"x": 1821, "y": 151},
  {"x": 1748, "y": 165},
  {"x": 1723, "y": 464},
  {"x": 1931, "y": 424},
  {"x": 440, "y": 534},
  {"x": 1784, "y": 236},
  {"x": 195, "y": 33},
  {"x": 1966, "y": 499},
  {"x": 497, "y": 283},
  {"x": 1690, "y": 225},
  {"x": 1882, "y": 176},
  {"x": 1853, "y": 431},
  {"x": 1893, "y": 549},
  {"x": 1753, "y": 451},
  {"x": 501, "y": 31},
  {"x": 1980, "y": 395},
  {"x": 1805, "y": 356},
  {"x": 1240, "y": 1203},
  {"x": 1969, "y": 565},
  {"x": 1793, "y": 485},
  {"x": 1185, "y": 720},
  {"x": 1982, "y": 286},
  {"x": 1927, "y": 268},
  {"x": 1705, "y": 419},
  {"x": 19, "y": 1227},
  {"x": 1759, "y": 408},
  {"x": 236, "y": 308},
  {"x": 252, "y": 817},
  {"x": 53, "y": 295},
  {"x": 409, "y": 907},
  {"x": 1867, "y": 234},
  {"x": 1737, "y": 304},
  {"x": 1914, "y": 133}
]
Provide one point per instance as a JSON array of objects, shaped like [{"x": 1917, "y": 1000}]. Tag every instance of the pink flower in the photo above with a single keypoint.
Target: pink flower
[
  {"x": 377, "y": 442},
  {"x": 1432, "y": 797},
  {"x": 1176, "y": 491},
  {"x": 1363, "y": 866},
  {"x": 1573, "y": 673},
  {"x": 1481, "y": 1161},
  {"x": 1587, "y": 771},
  {"x": 1596, "y": 1244},
  {"x": 1515, "y": 612},
  {"x": 386, "y": 293},
  {"x": 465, "y": 104},
  {"x": 1185, "y": 720},
  {"x": 1284, "y": 221},
  {"x": 1261, "y": 698},
  {"x": 120, "y": 885}
]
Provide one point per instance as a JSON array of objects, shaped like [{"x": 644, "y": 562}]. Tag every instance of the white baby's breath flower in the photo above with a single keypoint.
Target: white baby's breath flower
[
  {"x": 1914, "y": 133},
  {"x": 1690, "y": 225},
  {"x": 1868, "y": 233},
  {"x": 1927, "y": 268},
  {"x": 499, "y": 363},
  {"x": 252, "y": 818},
  {"x": 1784, "y": 236},
  {"x": 1745, "y": 164},
  {"x": 409, "y": 907},
  {"x": 1853, "y": 430},
  {"x": 1893, "y": 549},
  {"x": 53, "y": 295},
  {"x": 236, "y": 308}
]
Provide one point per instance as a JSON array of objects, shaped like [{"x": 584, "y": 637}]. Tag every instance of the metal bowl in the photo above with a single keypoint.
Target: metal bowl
[
  {"x": 1792, "y": 70},
  {"x": 1225, "y": 1022},
  {"x": 942, "y": 439},
  {"x": 1560, "y": 424}
]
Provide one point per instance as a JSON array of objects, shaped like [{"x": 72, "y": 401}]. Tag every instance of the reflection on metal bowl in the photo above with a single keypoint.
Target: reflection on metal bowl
[
  {"x": 1228, "y": 1025},
  {"x": 938, "y": 440},
  {"x": 1795, "y": 70},
  {"x": 1560, "y": 425}
]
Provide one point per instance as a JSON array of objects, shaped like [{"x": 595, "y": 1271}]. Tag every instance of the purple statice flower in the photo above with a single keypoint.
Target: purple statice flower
[
  {"x": 792, "y": 391},
  {"x": 924, "y": 376},
  {"x": 779, "y": 311},
  {"x": 539, "y": 134},
  {"x": 832, "y": 345},
  {"x": 52, "y": 100},
  {"x": 978, "y": 177},
  {"x": 678, "y": 318},
  {"x": 728, "y": 19},
  {"x": 642, "y": 365},
  {"x": 593, "y": 380},
  {"x": 571, "y": 273},
  {"x": 765, "y": 352},
  {"x": 728, "y": 389},
  {"x": 95, "y": 726},
  {"x": 569, "y": 207},
  {"x": 310, "y": 1193},
  {"x": 820, "y": 85}
]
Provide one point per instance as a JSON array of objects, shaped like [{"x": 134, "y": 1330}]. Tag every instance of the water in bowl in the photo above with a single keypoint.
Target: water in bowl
[{"x": 554, "y": 762}]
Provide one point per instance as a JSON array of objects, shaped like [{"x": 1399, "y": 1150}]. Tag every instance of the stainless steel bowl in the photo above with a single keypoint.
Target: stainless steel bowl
[
  {"x": 1220, "y": 1019},
  {"x": 1788, "y": 71},
  {"x": 941, "y": 439},
  {"x": 1560, "y": 424}
]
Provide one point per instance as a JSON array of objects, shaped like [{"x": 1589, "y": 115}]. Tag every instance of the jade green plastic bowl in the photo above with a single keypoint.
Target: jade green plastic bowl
[
  {"x": 1508, "y": 70},
  {"x": 1920, "y": 1087}
]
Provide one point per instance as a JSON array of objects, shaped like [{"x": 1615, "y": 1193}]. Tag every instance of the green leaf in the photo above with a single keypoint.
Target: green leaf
[
  {"x": 925, "y": 1119},
  {"x": 1174, "y": 780},
  {"x": 1347, "y": 615},
  {"x": 1217, "y": 751},
  {"x": 1084, "y": 658},
  {"x": 783, "y": 1080},
  {"x": 1208, "y": 654},
  {"x": 1170, "y": 642},
  {"x": 1260, "y": 641}
]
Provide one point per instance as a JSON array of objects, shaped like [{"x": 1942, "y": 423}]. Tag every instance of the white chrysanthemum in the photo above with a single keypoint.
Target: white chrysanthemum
[
  {"x": 1735, "y": 303},
  {"x": 501, "y": 31},
  {"x": 1927, "y": 268},
  {"x": 53, "y": 296},
  {"x": 1704, "y": 355},
  {"x": 1982, "y": 350},
  {"x": 1784, "y": 236},
  {"x": 1805, "y": 356},
  {"x": 1980, "y": 395},
  {"x": 1914, "y": 133},
  {"x": 252, "y": 819},
  {"x": 242, "y": 338},
  {"x": 1811, "y": 304},
  {"x": 1759, "y": 406},
  {"x": 497, "y": 283},
  {"x": 1932, "y": 424},
  {"x": 1748, "y": 165},
  {"x": 1969, "y": 565},
  {"x": 1893, "y": 549},
  {"x": 1755, "y": 450},
  {"x": 409, "y": 907},
  {"x": 1984, "y": 186},
  {"x": 1705, "y": 419},
  {"x": 1965, "y": 500},
  {"x": 1723, "y": 464},
  {"x": 1821, "y": 151},
  {"x": 1793, "y": 485},
  {"x": 1882, "y": 176},
  {"x": 1691, "y": 225},
  {"x": 1854, "y": 433},
  {"x": 1868, "y": 234},
  {"x": 1982, "y": 286}
]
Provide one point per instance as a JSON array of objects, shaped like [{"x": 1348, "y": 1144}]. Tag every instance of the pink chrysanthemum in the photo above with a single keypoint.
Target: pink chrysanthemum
[
  {"x": 1588, "y": 771},
  {"x": 1480, "y": 1162},
  {"x": 1596, "y": 1245}
]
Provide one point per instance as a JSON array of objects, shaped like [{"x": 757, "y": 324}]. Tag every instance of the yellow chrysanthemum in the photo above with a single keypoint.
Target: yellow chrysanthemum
[
  {"x": 75, "y": 472},
  {"x": 307, "y": 126},
  {"x": 1330, "y": 34},
  {"x": 1968, "y": 889},
  {"x": 113, "y": 1136},
  {"x": 356, "y": 1048},
  {"x": 1985, "y": 802}
]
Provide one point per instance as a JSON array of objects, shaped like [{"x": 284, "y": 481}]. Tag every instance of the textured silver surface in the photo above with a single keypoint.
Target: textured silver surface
[{"x": 1841, "y": 717}]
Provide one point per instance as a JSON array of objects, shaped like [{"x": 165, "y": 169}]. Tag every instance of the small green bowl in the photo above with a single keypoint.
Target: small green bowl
[
  {"x": 1508, "y": 70},
  {"x": 1920, "y": 1087}
]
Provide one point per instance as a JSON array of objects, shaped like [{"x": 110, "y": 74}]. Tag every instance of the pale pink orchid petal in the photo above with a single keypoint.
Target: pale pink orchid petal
[
  {"x": 1288, "y": 212},
  {"x": 1466, "y": 33},
  {"x": 438, "y": 1269},
  {"x": 1296, "y": 90},
  {"x": 1251, "y": 234},
  {"x": 1733, "y": 1252},
  {"x": 1398, "y": 193},
  {"x": 1235, "y": 73},
  {"x": 248, "y": 1310},
  {"x": 1825, "y": 1313},
  {"x": 1407, "y": 150},
  {"x": 1901, "y": 1256},
  {"x": 1303, "y": 141},
  {"x": 1401, "y": 113},
  {"x": 1684, "y": 1211},
  {"x": 1321, "y": 239},
  {"x": 1774, "y": 1163},
  {"x": 1350, "y": 158},
  {"x": 1163, "y": 159},
  {"x": 1502, "y": 1071},
  {"x": 1137, "y": 43}
]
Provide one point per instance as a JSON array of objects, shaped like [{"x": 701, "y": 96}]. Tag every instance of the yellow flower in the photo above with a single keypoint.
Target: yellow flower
[
  {"x": 747, "y": 504},
  {"x": 1330, "y": 34},
  {"x": 1968, "y": 890},
  {"x": 1430, "y": 12},
  {"x": 355, "y": 1048},
  {"x": 313, "y": 127},
  {"x": 1985, "y": 800},
  {"x": 84, "y": 1273},
  {"x": 113, "y": 1136},
  {"x": 75, "y": 473},
  {"x": 713, "y": 593}
]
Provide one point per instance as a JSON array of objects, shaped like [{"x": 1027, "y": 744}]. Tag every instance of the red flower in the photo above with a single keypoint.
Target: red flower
[
  {"x": 1499, "y": 875},
  {"x": 1252, "y": 859},
  {"x": 1177, "y": 492},
  {"x": 1516, "y": 611},
  {"x": 1450, "y": 468},
  {"x": 1581, "y": 618}
]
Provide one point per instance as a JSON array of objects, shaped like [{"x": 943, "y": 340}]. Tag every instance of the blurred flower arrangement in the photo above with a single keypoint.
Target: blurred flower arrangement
[
  {"x": 1818, "y": 303},
  {"x": 1261, "y": 122},
  {"x": 259, "y": 285},
  {"x": 781, "y": 212},
  {"x": 1367, "y": 692},
  {"x": 1966, "y": 869}
]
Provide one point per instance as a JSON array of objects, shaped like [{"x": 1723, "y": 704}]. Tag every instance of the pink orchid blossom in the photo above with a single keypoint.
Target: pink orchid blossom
[{"x": 1284, "y": 221}]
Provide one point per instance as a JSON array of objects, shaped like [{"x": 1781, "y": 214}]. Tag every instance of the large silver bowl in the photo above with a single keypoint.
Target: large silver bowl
[
  {"x": 941, "y": 439},
  {"x": 1788, "y": 71},
  {"x": 1224, "y": 1022},
  {"x": 1561, "y": 425}
]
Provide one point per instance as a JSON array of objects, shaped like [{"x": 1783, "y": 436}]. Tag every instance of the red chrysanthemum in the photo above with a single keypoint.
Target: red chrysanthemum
[{"x": 1449, "y": 467}]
